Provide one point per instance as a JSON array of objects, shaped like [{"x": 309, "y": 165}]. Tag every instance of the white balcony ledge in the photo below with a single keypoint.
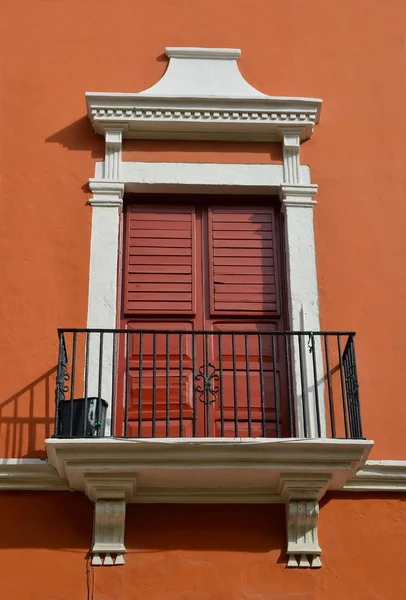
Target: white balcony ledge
[{"x": 208, "y": 470}]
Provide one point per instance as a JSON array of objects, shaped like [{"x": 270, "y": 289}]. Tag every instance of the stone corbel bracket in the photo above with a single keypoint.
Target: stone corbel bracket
[
  {"x": 110, "y": 494},
  {"x": 302, "y": 495}
]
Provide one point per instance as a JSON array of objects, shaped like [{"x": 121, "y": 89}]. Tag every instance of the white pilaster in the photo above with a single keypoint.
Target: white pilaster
[
  {"x": 112, "y": 163},
  {"x": 298, "y": 203},
  {"x": 291, "y": 161},
  {"x": 107, "y": 203}
]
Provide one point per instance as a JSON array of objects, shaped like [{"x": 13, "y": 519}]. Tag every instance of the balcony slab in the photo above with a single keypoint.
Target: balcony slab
[{"x": 230, "y": 470}]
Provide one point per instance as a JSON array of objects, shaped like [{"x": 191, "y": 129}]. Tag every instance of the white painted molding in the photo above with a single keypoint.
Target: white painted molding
[
  {"x": 291, "y": 162},
  {"x": 379, "y": 476},
  {"x": 220, "y": 465},
  {"x": 196, "y": 178},
  {"x": 112, "y": 162},
  {"x": 106, "y": 193},
  {"x": 220, "y": 179},
  {"x": 104, "y": 251},
  {"x": 375, "y": 476},
  {"x": 204, "y": 53},
  {"x": 303, "y": 299},
  {"x": 202, "y": 96},
  {"x": 29, "y": 474}
]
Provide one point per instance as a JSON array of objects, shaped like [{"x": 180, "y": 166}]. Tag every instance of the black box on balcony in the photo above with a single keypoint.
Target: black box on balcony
[{"x": 82, "y": 417}]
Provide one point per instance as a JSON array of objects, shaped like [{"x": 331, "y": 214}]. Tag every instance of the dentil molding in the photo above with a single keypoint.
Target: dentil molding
[{"x": 203, "y": 96}]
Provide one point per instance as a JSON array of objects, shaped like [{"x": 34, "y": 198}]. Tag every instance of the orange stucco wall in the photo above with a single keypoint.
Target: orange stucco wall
[
  {"x": 351, "y": 53},
  {"x": 178, "y": 554}
]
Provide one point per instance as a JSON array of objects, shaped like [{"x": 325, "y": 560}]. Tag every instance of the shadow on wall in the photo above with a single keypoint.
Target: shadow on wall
[
  {"x": 77, "y": 136},
  {"x": 65, "y": 520},
  {"x": 232, "y": 527},
  {"x": 27, "y": 418}
]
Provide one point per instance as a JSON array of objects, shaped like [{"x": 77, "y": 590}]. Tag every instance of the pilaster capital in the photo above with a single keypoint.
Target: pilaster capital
[
  {"x": 114, "y": 136},
  {"x": 300, "y": 196},
  {"x": 291, "y": 139},
  {"x": 106, "y": 193}
]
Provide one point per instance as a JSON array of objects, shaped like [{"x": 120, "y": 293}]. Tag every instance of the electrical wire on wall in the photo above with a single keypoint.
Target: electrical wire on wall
[{"x": 90, "y": 579}]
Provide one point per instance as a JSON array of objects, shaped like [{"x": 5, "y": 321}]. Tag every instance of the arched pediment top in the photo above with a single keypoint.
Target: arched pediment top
[
  {"x": 203, "y": 95},
  {"x": 203, "y": 73}
]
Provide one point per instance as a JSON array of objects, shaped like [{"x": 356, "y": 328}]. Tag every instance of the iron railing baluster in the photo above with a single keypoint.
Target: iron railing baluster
[
  {"x": 72, "y": 387},
  {"x": 86, "y": 390},
  {"x": 248, "y": 384},
  {"x": 343, "y": 394},
  {"x": 140, "y": 359},
  {"x": 167, "y": 384},
  {"x": 303, "y": 393},
  {"x": 220, "y": 350},
  {"x": 262, "y": 385},
  {"x": 275, "y": 385},
  {"x": 154, "y": 383},
  {"x": 113, "y": 385},
  {"x": 291, "y": 408},
  {"x": 127, "y": 382},
  {"x": 235, "y": 396},
  {"x": 181, "y": 385},
  {"x": 329, "y": 387}
]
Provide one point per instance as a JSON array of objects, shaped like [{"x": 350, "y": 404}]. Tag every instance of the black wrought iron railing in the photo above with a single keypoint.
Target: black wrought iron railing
[{"x": 170, "y": 383}]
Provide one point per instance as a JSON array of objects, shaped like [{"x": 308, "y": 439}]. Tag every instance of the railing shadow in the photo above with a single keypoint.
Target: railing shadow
[{"x": 27, "y": 418}]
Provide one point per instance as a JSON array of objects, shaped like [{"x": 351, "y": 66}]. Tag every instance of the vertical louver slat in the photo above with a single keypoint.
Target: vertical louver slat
[
  {"x": 160, "y": 260},
  {"x": 243, "y": 261}
]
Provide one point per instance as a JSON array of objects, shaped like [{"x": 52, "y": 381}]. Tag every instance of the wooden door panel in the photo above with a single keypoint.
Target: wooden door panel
[
  {"x": 248, "y": 393},
  {"x": 236, "y": 247},
  {"x": 160, "y": 347},
  {"x": 243, "y": 430},
  {"x": 162, "y": 250},
  {"x": 161, "y": 372},
  {"x": 251, "y": 346},
  {"x": 168, "y": 395},
  {"x": 175, "y": 429}
]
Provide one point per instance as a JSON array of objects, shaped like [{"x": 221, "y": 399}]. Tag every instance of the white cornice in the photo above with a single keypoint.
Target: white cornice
[
  {"x": 33, "y": 474},
  {"x": 205, "y": 53},
  {"x": 217, "y": 465},
  {"x": 379, "y": 476},
  {"x": 29, "y": 474},
  {"x": 203, "y": 96}
]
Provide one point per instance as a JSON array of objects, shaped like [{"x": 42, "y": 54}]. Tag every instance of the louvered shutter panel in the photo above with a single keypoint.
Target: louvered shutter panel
[
  {"x": 160, "y": 260},
  {"x": 243, "y": 261}
]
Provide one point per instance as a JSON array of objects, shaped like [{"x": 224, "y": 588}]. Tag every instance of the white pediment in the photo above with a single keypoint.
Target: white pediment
[{"x": 202, "y": 95}]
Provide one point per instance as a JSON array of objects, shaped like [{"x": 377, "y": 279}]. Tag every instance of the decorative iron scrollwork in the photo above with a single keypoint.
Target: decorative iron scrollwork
[
  {"x": 206, "y": 384},
  {"x": 63, "y": 376}
]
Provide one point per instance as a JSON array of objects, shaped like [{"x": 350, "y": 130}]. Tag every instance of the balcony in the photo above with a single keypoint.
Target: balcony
[
  {"x": 207, "y": 384},
  {"x": 208, "y": 416}
]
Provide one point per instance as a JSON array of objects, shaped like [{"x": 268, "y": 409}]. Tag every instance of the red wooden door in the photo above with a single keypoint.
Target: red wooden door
[
  {"x": 200, "y": 267},
  {"x": 243, "y": 279}
]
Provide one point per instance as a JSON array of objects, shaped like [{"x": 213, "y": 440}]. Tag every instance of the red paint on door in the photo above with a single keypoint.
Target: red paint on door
[{"x": 192, "y": 267}]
